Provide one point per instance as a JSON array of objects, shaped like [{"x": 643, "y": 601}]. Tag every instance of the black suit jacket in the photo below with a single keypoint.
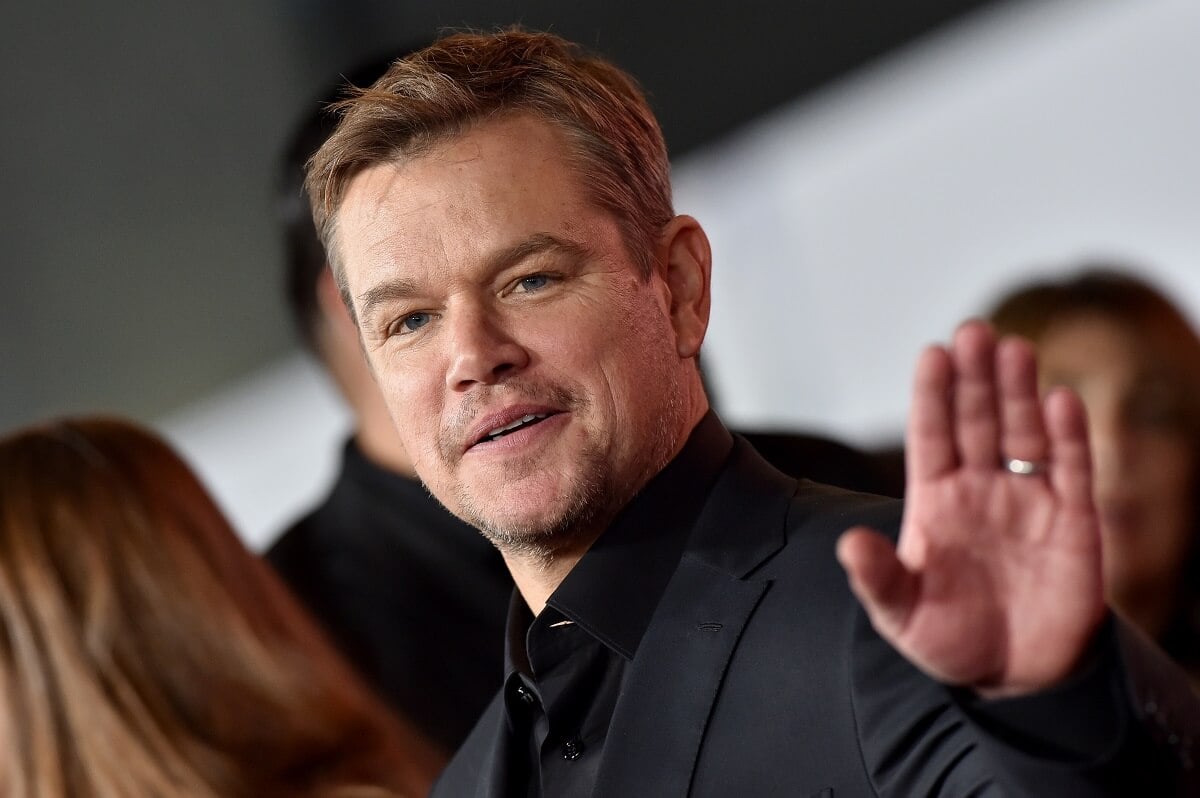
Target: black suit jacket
[{"x": 759, "y": 675}]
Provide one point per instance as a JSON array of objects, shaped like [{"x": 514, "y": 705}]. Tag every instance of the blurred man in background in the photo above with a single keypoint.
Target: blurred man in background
[{"x": 414, "y": 597}]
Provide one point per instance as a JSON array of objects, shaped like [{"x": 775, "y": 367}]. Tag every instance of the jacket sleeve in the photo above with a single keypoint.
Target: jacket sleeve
[{"x": 1126, "y": 724}]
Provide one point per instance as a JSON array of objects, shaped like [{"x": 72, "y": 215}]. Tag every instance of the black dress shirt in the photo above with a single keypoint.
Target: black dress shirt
[
  {"x": 414, "y": 598},
  {"x": 564, "y": 668}
]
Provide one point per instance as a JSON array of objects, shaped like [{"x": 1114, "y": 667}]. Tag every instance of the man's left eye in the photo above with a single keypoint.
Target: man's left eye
[{"x": 534, "y": 282}]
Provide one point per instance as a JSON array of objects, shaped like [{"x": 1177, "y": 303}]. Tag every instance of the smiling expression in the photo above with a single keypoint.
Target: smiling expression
[{"x": 533, "y": 373}]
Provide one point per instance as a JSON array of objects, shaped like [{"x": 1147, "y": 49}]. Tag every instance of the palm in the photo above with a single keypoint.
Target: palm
[{"x": 995, "y": 582}]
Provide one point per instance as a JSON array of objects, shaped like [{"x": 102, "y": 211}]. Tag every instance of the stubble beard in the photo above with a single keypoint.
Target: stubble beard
[
  {"x": 584, "y": 509},
  {"x": 593, "y": 499}
]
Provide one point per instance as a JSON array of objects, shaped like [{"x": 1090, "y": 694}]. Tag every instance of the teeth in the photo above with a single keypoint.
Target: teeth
[{"x": 518, "y": 423}]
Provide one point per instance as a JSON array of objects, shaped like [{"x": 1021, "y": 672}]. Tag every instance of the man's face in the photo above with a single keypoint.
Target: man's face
[{"x": 533, "y": 374}]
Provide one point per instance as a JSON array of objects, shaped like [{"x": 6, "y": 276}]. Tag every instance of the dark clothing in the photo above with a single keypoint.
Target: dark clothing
[
  {"x": 563, "y": 711},
  {"x": 746, "y": 667},
  {"x": 831, "y": 462},
  {"x": 414, "y": 598},
  {"x": 572, "y": 657}
]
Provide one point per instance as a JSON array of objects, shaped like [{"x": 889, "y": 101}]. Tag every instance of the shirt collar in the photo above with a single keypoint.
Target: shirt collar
[{"x": 614, "y": 588}]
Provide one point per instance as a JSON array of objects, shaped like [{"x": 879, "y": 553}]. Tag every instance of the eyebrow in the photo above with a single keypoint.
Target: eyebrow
[
  {"x": 536, "y": 244},
  {"x": 397, "y": 288}
]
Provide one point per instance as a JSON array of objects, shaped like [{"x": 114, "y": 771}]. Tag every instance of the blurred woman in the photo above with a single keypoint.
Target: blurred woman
[
  {"x": 1134, "y": 359},
  {"x": 145, "y": 652}
]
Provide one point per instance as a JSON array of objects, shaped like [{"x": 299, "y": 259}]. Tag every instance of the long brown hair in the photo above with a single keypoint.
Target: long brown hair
[{"x": 146, "y": 652}]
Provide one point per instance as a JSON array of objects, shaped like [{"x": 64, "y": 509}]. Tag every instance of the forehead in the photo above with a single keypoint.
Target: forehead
[
  {"x": 501, "y": 180},
  {"x": 1088, "y": 341},
  {"x": 1097, "y": 350}
]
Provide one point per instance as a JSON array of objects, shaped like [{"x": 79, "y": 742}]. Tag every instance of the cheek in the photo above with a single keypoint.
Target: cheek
[
  {"x": 1169, "y": 465},
  {"x": 1169, "y": 477},
  {"x": 646, "y": 379},
  {"x": 412, "y": 398}
]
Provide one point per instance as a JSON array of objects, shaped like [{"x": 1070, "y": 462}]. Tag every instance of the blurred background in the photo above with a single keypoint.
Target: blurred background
[{"x": 869, "y": 173}]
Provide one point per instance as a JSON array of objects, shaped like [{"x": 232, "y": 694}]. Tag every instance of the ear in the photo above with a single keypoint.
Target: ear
[
  {"x": 687, "y": 265},
  {"x": 329, "y": 299}
]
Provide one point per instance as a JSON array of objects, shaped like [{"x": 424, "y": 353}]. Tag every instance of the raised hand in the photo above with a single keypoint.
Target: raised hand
[{"x": 995, "y": 583}]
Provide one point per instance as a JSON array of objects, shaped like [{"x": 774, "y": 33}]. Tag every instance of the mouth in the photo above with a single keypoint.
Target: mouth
[
  {"x": 505, "y": 424},
  {"x": 524, "y": 421}
]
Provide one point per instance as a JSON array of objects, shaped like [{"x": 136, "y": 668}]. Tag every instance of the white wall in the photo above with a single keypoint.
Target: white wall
[
  {"x": 267, "y": 447},
  {"x": 852, "y": 228},
  {"x": 856, "y": 226}
]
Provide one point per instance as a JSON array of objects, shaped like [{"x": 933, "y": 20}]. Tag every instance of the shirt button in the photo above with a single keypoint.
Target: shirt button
[
  {"x": 525, "y": 694},
  {"x": 572, "y": 749}
]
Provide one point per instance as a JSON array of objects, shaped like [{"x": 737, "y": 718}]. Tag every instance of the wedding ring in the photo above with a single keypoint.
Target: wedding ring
[{"x": 1024, "y": 468}]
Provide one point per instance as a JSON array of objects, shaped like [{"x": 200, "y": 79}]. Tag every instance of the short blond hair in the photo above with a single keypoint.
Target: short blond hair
[{"x": 614, "y": 140}]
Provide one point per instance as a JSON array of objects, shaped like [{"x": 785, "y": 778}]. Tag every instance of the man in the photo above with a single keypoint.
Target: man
[
  {"x": 414, "y": 597},
  {"x": 497, "y": 213}
]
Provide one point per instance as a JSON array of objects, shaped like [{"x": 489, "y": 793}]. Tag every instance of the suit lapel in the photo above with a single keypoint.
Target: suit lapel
[
  {"x": 664, "y": 706},
  {"x": 673, "y": 681}
]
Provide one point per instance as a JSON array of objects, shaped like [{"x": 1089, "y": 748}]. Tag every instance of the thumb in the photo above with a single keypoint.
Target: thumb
[{"x": 888, "y": 591}]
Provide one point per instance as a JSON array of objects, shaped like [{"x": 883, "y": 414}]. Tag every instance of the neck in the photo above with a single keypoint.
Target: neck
[
  {"x": 378, "y": 440},
  {"x": 537, "y": 577}
]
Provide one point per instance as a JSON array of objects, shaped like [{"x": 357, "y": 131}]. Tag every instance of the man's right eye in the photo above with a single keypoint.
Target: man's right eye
[{"x": 411, "y": 323}]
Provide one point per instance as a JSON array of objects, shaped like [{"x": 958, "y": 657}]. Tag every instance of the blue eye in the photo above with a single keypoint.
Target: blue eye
[
  {"x": 533, "y": 282},
  {"x": 413, "y": 322}
]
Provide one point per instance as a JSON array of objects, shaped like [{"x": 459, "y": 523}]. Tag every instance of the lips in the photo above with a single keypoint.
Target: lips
[
  {"x": 498, "y": 425},
  {"x": 523, "y": 421}
]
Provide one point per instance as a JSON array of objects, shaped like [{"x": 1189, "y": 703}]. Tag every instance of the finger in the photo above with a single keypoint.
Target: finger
[
  {"x": 929, "y": 451},
  {"x": 888, "y": 591},
  {"x": 1070, "y": 455},
  {"x": 1022, "y": 433},
  {"x": 976, "y": 425}
]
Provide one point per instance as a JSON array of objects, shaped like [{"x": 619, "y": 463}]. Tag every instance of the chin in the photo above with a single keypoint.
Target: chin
[
  {"x": 536, "y": 519},
  {"x": 533, "y": 503},
  {"x": 540, "y": 535}
]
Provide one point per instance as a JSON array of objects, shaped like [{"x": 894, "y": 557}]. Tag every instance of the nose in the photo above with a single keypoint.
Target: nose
[
  {"x": 1114, "y": 452},
  {"x": 482, "y": 351}
]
